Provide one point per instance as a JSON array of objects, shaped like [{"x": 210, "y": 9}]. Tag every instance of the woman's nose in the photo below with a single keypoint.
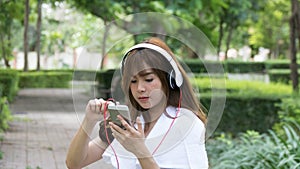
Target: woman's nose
[{"x": 141, "y": 87}]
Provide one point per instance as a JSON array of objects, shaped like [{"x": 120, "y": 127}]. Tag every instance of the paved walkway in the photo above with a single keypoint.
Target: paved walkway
[{"x": 45, "y": 120}]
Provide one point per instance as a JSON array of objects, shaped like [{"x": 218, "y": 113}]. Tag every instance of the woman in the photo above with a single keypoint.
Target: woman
[{"x": 169, "y": 130}]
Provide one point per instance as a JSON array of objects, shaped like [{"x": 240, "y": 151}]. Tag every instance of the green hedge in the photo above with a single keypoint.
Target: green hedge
[
  {"x": 243, "y": 87},
  {"x": 242, "y": 113},
  {"x": 244, "y": 67},
  {"x": 199, "y": 66},
  {"x": 281, "y": 75},
  {"x": 104, "y": 77},
  {"x": 45, "y": 79},
  {"x": 277, "y": 64},
  {"x": 9, "y": 79},
  {"x": 84, "y": 75},
  {"x": 5, "y": 114},
  {"x": 230, "y": 66},
  {"x": 249, "y": 105}
]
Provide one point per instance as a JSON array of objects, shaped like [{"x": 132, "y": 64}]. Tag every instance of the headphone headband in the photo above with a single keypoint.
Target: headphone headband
[{"x": 178, "y": 76}]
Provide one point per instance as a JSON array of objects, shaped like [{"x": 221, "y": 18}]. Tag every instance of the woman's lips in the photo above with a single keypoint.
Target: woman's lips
[{"x": 143, "y": 99}]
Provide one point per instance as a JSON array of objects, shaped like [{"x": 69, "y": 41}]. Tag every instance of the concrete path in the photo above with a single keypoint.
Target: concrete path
[{"x": 45, "y": 120}]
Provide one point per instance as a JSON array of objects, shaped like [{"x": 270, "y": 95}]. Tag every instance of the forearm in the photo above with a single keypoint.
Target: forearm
[
  {"x": 78, "y": 149},
  {"x": 146, "y": 160},
  {"x": 148, "y": 163}
]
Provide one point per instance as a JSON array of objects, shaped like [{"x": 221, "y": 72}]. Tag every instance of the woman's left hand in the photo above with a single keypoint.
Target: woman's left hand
[{"x": 131, "y": 139}]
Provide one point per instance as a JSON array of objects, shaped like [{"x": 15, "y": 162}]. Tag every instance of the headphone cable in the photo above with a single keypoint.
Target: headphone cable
[
  {"x": 176, "y": 115},
  {"x": 106, "y": 134}
]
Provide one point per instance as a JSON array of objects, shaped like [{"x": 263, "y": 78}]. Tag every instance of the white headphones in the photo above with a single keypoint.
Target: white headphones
[{"x": 174, "y": 80}]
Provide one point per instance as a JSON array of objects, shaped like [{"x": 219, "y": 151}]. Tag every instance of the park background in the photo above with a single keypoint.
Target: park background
[{"x": 257, "y": 44}]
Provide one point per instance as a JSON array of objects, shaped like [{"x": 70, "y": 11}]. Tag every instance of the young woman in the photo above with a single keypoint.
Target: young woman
[{"x": 168, "y": 130}]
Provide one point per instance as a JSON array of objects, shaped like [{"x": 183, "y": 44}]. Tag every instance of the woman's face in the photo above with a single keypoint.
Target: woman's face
[{"x": 146, "y": 88}]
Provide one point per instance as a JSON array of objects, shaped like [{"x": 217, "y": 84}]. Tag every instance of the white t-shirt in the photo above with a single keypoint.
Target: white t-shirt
[{"x": 182, "y": 148}]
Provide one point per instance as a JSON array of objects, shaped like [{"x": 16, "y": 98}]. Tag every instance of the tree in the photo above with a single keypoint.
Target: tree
[
  {"x": 11, "y": 12},
  {"x": 294, "y": 34},
  {"x": 270, "y": 29},
  {"x": 38, "y": 32},
  {"x": 234, "y": 15},
  {"x": 26, "y": 22}
]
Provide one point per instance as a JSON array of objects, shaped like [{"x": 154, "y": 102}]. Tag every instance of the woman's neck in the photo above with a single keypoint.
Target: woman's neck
[
  {"x": 156, "y": 111},
  {"x": 153, "y": 115}
]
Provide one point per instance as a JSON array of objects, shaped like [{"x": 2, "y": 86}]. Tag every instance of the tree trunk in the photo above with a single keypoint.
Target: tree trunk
[
  {"x": 228, "y": 40},
  {"x": 106, "y": 30},
  {"x": 4, "y": 50},
  {"x": 26, "y": 16},
  {"x": 38, "y": 36},
  {"x": 220, "y": 36},
  {"x": 293, "y": 48},
  {"x": 2, "y": 46}
]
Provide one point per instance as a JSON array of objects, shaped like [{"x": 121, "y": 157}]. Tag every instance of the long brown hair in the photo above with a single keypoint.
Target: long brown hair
[{"x": 136, "y": 61}]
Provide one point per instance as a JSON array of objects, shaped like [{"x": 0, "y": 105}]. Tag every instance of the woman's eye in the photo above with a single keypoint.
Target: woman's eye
[
  {"x": 149, "y": 80},
  {"x": 133, "y": 81}
]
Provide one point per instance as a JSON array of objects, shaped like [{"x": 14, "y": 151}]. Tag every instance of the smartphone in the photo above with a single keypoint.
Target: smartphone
[{"x": 115, "y": 110}]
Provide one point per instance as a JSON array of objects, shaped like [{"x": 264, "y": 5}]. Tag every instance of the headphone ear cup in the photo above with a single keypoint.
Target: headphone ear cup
[{"x": 171, "y": 79}]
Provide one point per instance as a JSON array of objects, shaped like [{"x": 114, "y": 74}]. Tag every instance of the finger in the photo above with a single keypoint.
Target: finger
[
  {"x": 98, "y": 105},
  {"x": 123, "y": 121},
  {"x": 91, "y": 105},
  {"x": 114, "y": 132},
  {"x": 126, "y": 125},
  {"x": 116, "y": 128},
  {"x": 103, "y": 104}
]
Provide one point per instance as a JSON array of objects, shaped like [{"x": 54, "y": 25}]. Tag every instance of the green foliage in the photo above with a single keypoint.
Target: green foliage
[
  {"x": 9, "y": 79},
  {"x": 243, "y": 113},
  {"x": 289, "y": 111},
  {"x": 281, "y": 75},
  {"x": 104, "y": 78},
  {"x": 277, "y": 64},
  {"x": 5, "y": 114},
  {"x": 199, "y": 66},
  {"x": 277, "y": 70},
  {"x": 243, "y": 88},
  {"x": 45, "y": 79},
  {"x": 252, "y": 150},
  {"x": 244, "y": 67},
  {"x": 271, "y": 28},
  {"x": 10, "y": 12},
  {"x": 247, "y": 102}
]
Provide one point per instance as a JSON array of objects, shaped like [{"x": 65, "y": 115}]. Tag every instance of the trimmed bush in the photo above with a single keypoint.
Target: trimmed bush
[
  {"x": 5, "y": 114},
  {"x": 277, "y": 64},
  {"x": 281, "y": 75},
  {"x": 244, "y": 67},
  {"x": 79, "y": 75},
  {"x": 9, "y": 79},
  {"x": 249, "y": 105},
  {"x": 84, "y": 75},
  {"x": 243, "y": 87},
  {"x": 45, "y": 79},
  {"x": 104, "y": 79},
  {"x": 199, "y": 66},
  {"x": 244, "y": 113}
]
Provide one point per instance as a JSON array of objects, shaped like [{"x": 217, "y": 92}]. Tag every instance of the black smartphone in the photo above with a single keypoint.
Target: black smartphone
[{"x": 115, "y": 110}]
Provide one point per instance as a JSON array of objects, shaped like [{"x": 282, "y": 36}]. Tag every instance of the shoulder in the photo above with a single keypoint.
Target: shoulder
[{"x": 188, "y": 124}]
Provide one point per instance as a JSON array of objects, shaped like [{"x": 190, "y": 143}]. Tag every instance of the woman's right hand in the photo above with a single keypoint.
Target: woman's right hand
[{"x": 95, "y": 109}]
